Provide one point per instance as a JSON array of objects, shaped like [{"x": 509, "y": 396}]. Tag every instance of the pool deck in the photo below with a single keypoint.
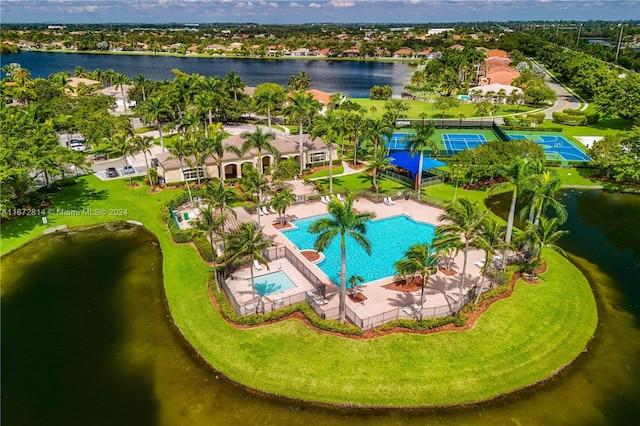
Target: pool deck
[{"x": 440, "y": 294}]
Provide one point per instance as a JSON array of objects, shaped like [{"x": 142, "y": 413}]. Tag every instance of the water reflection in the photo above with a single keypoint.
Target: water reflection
[{"x": 67, "y": 359}]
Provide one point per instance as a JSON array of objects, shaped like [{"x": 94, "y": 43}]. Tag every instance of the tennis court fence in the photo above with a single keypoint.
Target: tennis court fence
[{"x": 456, "y": 124}]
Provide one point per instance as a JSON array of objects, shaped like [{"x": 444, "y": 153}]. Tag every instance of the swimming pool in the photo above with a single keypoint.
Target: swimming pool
[
  {"x": 274, "y": 282},
  {"x": 390, "y": 238}
]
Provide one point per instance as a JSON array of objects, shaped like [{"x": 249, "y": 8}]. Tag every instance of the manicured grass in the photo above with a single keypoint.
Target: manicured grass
[
  {"x": 417, "y": 107},
  {"x": 602, "y": 128},
  {"x": 573, "y": 176},
  {"x": 361, "y": 182},
  {"x": 337, "y": 170},
  {"x": 517, "y": 342}
]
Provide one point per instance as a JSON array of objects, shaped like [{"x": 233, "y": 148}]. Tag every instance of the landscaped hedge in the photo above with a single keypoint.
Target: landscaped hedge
[
  {"x": 573, "y": 117},
  {"x": 525, "y": 120},
  {"x": 204, "y": 247},
  {"x": 333, "y": 326}
]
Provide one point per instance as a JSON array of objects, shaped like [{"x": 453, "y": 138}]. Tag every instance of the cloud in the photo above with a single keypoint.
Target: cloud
[
  {"x": 314, "y": 5},
  {"x": 294, "y": 4},
  {"x": 341, "y": 3}
]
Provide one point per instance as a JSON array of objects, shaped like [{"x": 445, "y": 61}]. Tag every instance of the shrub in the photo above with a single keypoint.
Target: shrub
[
  {"x": 380, "y": 92},
  {"x": 255, "y": 319},
  {"x": 204, "y": 247}
]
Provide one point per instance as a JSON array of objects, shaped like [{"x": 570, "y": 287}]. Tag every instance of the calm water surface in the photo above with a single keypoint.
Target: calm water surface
[
  {"x": 87, "y": 339},
  {"x": 353, "y": 78}
]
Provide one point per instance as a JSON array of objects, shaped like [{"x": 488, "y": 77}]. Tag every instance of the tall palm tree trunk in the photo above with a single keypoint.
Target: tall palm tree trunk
[
  {"x": 161, "y": 138},
  {"x": 214, "y": 255},
  {"x": 186, "y": 181},
  {"x": 509, "y": 232},
  {"x": 300, "y": 153},
  {"x": 343, "y": 278},
  {"x": 253, "y": 287},
  {"x": 462, "y": 278},
  {"x": 330, "y": 167},
  {"x": 420, "y": 176}
]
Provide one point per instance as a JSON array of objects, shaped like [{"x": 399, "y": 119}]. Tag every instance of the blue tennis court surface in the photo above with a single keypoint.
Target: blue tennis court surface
[
  {"x": 555, "y": 147},
  {"x": 398, "y": 141},
  {"x": 456, "y": 142}
]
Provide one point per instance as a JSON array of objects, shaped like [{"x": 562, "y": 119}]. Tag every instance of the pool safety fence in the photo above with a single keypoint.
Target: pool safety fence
[
  {"x": 264, "y": 304},
  {"x": 279, "y": 252},
  {"x": 433, "y": 180},
  {"x": 388, "y": 174},
  {"x": 482, "y": 123}
]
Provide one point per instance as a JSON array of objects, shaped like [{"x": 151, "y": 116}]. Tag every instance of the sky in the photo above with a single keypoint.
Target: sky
[{"x": 312, "y": 11}]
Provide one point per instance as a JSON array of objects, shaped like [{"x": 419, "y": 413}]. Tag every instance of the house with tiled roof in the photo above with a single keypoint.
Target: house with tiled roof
[
  {"x": 314, "y": 151},
  {"x": 496, "y": 53},
  {"x": 426, "y": 53},
  {"x": 324, "y": 52},
  {"x": 457, "y": 47},
  {"x": 405, "y": 52},
  {"x": 354, "y": 52}
]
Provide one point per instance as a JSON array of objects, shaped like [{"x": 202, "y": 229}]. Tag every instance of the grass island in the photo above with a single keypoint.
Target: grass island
[{"x": 517, "y": 342}]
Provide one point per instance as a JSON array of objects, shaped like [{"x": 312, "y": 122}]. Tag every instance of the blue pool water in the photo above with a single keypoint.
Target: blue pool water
[
  {"x": 390, "y": 238},
  {"x": 274, "y": 282}
]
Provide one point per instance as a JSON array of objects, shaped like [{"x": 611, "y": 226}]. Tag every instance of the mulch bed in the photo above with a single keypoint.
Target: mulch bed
[
  {"x": 285, "y": 225},
  {"x": 401, "y": 285},
  {"x": 310, "y": 255},
  {"x": 358, "y": 298},
  {"x": 448, "y": 272}
]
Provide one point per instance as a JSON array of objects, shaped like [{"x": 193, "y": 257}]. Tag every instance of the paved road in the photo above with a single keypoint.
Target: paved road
[{"x": 566, "y": 99}]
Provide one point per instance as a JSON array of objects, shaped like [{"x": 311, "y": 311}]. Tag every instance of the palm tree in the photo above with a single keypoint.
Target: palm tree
[
  {"x": 144, "y": 144},
  {"x": 124, "y": 146},
  {"x": 327, "y": 127},
  {"x": 416, "y": 144},
  {"x": 378, "y": 162},
  {"x": 218, "y": 135},
  {"x": 343, "y": 221},
  {"x": 120, "y": 79},
  {"x": 261, "y": 142},
  {"x": 518, "y": 175},
  {"x": 154, "y": 109},
  {"x": 181, "y": 150},
  {"x": 356, "y": 125},
  {"x": 211, "y": 224},
  {"x": 543, "y": 188},
  {"x": 490, "y": 240},
  {"x": 378, "y": 129},
  {"x": 249, "y": 241},
  {"x": 234, "y": 83},
  {"x": 202, "y": 149},
  {"x": 269, "y": 97},
  {"x": 140, "y": 81},
  {"x": 281, "y": 201},
  {"x": 419, "y": 260},
  {"x": 302, "y": 107},
  {"x": 221, "y": 197},
  {"x": 256, "y": 184},
  {"x": 543, "y": 235},
  {"x": 205, "y": 102},
  {"x": 448, "y": 249},
  {"x": 463, "y": 220}
]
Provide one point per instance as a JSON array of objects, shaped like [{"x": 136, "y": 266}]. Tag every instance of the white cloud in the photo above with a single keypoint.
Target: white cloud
[
  {"x": 294, "y": 4},
  {"x": 315, "y": 5},
  {"x": 341, "y": 3}
]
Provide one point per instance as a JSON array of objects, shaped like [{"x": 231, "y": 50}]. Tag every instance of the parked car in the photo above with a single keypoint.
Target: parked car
[
  {"x": 112, "y": 172},
  {"x": 76, "y": 145},
  {"x": 128, "y": 170}
]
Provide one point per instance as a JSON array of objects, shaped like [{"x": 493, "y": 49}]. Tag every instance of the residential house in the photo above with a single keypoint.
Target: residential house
[
  {"x": 314, "y": 151},
  {"x": 479, "y": 93},
  {"x": 405, "y": 52},
  {"x": 116, "y": 92},
  {"x": 497, "y": 53}
]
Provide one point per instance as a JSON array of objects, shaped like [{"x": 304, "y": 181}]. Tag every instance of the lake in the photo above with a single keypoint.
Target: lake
[
  {"x": 353, "y": 78},
  {"x": 87, "y": 339}
]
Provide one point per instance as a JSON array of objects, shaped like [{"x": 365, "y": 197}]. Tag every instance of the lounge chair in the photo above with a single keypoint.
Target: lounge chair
[
  {"x": 272, "y": 210},
  {"x": 264, "y": 210},
  {"x": 257, "y": 265},
  {"x": 407, "y": 310},
  {"x": 316, "y": 300},
  {"x": 479, "y": 263},
  {"x": 324, "y": 199},
  {"x": 386, "y": 201},
  {"x": 339, "y": 197},
  {"x": 390, "y": 201}
]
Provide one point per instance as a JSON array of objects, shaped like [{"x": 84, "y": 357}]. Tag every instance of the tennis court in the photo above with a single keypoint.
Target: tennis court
[
  {"x": 456, "y": 142},
  {"x": 555, "y": 147}
]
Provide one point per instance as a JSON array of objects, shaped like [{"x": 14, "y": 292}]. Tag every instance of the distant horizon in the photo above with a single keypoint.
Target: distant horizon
[{"x": 281, "y": 12}]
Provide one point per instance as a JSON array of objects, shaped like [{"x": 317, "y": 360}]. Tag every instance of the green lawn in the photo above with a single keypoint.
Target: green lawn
[
  {"x": 337, "y": 170},
  {"x": 517, "y": 342},
  {"x": 361, "y": 182},
  {"x": 604, "y": 127},
  {"x": 572, "y": 176},
  {"x": 417, "y": 107}
]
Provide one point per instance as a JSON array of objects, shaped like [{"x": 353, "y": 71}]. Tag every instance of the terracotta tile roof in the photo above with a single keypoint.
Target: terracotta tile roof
[
  {"x": 286, "y": 144},
  {"x": 496, "y": 52}
]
